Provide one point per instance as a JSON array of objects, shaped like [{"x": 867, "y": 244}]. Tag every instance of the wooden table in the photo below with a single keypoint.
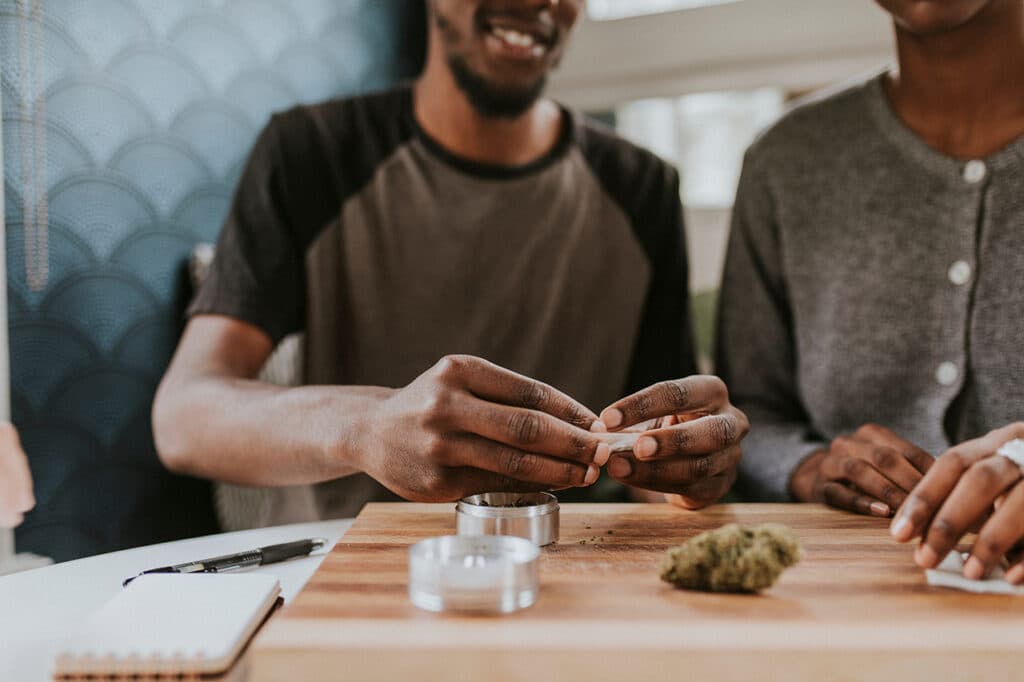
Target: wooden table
[{"x": 856, "y": 608}]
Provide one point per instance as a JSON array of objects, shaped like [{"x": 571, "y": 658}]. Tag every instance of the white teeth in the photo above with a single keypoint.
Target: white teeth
[{"x": 514, "y": 38}]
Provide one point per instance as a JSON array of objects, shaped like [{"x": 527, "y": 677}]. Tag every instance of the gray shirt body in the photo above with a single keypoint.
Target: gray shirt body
[
  {"x": 869, "y": 279},
  {"x": 353, "y": 226}
]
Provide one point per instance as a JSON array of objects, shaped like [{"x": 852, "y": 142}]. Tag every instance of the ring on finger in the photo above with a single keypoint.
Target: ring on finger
[{"x": 1013, "y": 450}]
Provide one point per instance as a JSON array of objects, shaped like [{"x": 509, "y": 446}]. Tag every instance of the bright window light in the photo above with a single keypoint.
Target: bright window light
[
  {"x": 704, "y": 135},
  {"x": 603, "y": 10}
]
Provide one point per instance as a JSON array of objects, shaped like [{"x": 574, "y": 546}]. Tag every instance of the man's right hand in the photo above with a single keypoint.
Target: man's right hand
[
  {"x": 467, "y": 426},
  {"x": 870, "y": 472},
  {"x": 15, "y": 479}
]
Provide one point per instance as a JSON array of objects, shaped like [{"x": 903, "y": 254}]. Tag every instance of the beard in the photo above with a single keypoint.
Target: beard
[
  {"x": 486, "y": 97},
  {"x": 490, "y": 100}
]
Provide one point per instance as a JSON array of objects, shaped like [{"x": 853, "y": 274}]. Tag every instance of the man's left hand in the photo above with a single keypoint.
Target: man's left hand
[
  {"x": 970, "y": 488},
  {"x": 693, "y": 449}
]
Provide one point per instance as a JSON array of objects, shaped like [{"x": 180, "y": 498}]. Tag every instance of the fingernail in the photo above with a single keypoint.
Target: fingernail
[
  {"x": 974, "y": 569},
  {"x": 900, "y": 529},
  {"x": 601, "y": 455},
  {"x": 592, "y": 473},
  {"x": 599, "y": 427},
  {"x": 879, "y": 508},
  {"x": 645, "y": 447},
  {"x": 925, "y": 556},
  {"x": 1015, "y": 575},
  {"x": 620, "y": 467},
  {"x": 611, "y": 417}
]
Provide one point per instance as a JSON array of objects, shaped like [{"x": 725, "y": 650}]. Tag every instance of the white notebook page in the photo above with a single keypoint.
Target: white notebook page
[{"x": 171, "y": 623}]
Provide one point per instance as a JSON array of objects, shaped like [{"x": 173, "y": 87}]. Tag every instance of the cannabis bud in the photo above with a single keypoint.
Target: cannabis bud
[{"x": 732, "y": 559}]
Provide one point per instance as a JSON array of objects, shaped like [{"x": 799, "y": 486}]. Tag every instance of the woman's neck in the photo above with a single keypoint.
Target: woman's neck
[{"x": 962, "y": 90}]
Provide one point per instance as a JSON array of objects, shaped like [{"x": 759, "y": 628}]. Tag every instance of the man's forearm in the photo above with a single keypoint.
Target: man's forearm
[{"x": 253, "y": 433}]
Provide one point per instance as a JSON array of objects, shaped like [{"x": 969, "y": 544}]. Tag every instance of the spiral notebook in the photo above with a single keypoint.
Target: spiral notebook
[{"x": 171, "y": 624}]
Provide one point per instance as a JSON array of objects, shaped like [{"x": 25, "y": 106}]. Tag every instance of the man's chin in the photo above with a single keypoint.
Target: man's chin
[{"x": 495, "y": 100}]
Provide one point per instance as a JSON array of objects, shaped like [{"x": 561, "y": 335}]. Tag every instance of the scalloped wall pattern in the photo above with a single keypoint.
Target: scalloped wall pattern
[{"x": 148, "y": 110}]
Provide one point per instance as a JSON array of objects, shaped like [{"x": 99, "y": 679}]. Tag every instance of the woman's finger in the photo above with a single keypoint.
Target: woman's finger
[
  {"x": 971, "y": 498},
  {"x": 927, "y": 498},
  {"x": 888, "y": 461},
  {"x": 999, "y": 535},
  {"x": 1015, "y": 574},
  {"x": 860, "y": 475},
  {"x": 888, "y": 439},
  {"x": 838, "y": 495}
]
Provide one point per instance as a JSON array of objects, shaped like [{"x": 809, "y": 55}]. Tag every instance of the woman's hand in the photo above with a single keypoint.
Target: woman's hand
[
  {"x": 969, "y": 488},
  {"x": 870, "y": 472},
  {"x": 16, "y": 496}
]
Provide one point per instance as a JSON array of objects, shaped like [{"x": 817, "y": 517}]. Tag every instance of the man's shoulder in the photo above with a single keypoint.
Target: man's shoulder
[
  {"x": 384, "y": 107},
  {"x": 378, "y": 119},
  {"x": 817, "y": 124},
  {"x": 626, "y": 170},
  {"x": 643, "y": 185},
  {"x": 327, "y": 152},
  {"x": 602, "y": 145}
]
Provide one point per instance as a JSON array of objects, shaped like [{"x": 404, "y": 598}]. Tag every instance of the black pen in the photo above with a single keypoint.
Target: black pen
[{"x": 232, "y": 562}]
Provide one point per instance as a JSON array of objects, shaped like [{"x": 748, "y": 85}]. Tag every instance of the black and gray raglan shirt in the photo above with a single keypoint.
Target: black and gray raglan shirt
[{"x": 352, "y": 225}]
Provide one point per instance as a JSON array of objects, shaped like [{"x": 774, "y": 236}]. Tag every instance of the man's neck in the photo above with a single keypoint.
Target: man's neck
[
  {"x": 445, "y": 113},
  {"x": 963, "y": 91}
]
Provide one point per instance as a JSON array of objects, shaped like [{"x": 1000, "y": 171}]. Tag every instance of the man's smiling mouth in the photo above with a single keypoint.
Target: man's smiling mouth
[{"x": 525, "y": 39}]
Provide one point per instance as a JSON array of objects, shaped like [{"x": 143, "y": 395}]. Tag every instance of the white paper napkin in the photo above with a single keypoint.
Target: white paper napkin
[{"x": 950, "y": 573}]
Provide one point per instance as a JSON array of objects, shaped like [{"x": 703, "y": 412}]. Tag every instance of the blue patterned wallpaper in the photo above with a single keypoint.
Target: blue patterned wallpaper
[{"x": 144, "y": 113}]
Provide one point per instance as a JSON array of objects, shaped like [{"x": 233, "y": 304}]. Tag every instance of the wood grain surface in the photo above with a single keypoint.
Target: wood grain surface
[{"x": 855, "y": 608}]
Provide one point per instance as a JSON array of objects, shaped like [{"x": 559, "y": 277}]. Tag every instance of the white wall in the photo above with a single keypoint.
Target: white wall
[{"x": 796, "y": 44}]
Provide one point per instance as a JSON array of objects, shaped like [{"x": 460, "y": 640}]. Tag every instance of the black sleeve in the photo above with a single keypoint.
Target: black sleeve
[
  {"x": 258, "y": 274},
  {"x": 647, "y": 190},
  {"x": 304, "y": 166},
  {"x": 664, "y": 346}
]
